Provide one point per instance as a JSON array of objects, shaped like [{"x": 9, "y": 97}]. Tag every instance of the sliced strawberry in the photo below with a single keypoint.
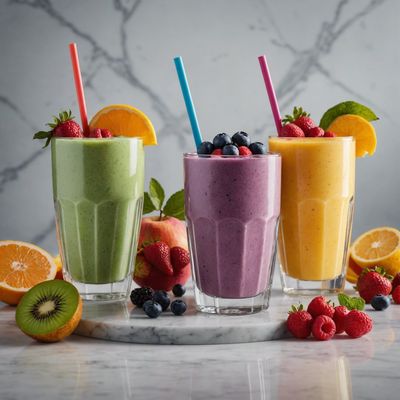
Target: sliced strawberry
[
  {"x": 158, "y": 255},
  {"x": 180, "y": 257}
]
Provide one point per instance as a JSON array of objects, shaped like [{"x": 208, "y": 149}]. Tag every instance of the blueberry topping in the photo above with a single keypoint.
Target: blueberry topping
[
  {"x": 380, "y": 302},
  {"x": 258, "y": 148},
  {"x": 241, "y": 139},
  {"x": 205, "y": 148},
  {"x": 161, "y": 297},
  {"x": 230, "y": 150},
  {"x": 178, "y": 307},
  {"x": 178, "y": 290},
  {"x": 221, "y": 140},
  {"x": 152, "y": 309}
]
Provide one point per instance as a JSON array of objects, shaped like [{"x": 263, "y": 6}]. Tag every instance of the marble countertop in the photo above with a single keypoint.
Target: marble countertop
[{"x": 84, "y": 368}]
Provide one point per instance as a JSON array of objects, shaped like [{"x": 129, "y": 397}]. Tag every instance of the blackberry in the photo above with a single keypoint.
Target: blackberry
[{"x": 140, "y": 295}]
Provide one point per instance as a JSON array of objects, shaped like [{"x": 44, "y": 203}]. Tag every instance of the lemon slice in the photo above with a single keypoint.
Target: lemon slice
[{"x": 124, "y": 120}]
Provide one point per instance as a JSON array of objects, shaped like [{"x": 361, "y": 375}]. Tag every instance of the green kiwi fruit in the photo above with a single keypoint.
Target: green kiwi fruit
[{"x": 49, "y": 311}]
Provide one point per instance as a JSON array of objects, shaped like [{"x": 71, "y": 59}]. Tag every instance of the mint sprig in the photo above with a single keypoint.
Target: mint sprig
[
  {"x": 352, "y": 303},
  {"x": 154, "y": 201}
]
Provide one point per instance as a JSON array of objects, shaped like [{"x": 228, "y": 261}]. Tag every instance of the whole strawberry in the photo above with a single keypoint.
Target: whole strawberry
[
  {"x": 291, "y": 130},
  {"x": 372, "y": 282},
  {"x": 62, "y": 126},
  {"x": 300, "y": 118},
  {"x": 180, "y": 257},
  {"x": 396, "y": 295},
  {"x": 299, "y": 322},
  {"x": 158, "y": 255},
  {"x": 396, "y": 281},
  {"x": 357, "y": 324},
  {"x": 316, "y": 131},
  {"x": 323, "y": 328},
  {"x": 320, "y": 306},
  {"x": 339, "y": 318}
]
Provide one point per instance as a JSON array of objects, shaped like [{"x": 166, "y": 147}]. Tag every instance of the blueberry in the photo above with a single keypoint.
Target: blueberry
[
  {"x": 230, "y": 150},
  {"x": 380, "y": 302},
  {"x": 152, "y": 309},
  {"x": 205, "y": 148},
  {"x": 221, "y": 140},
  {"x": 178, "y": 290},
  {"x": 178, "y": 307},
  {"x": 161, "y": 297},
  {"x": 241, "y": 139},
  {"x": 258, "y": 148}
]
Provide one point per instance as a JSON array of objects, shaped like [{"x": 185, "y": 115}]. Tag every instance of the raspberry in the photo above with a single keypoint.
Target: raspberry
[
  {"x": 291, "y": 130},
  {"x": 299, "y": 322},
  {"x": 217, "y": 152},
  {"x": 244, "y": 151},
  {"x": 339, "y": 318},
  {"x": 305, "y": 123},
  {"x": 396, "y": 295},
  {"x": 95, "y": 133},
  {"x": 329, "y": 134},
  {"x": 357, "y": 324},
  {"x": 106, "y": 133},
  {"x": 320, "y": 306},
  {"x": 323, "y": 328},
  {"x": 315, "y": 132}
]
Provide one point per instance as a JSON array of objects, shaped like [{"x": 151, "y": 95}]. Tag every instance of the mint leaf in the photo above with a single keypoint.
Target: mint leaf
[
  {"x": 175, "y": 206},
  {"x": 352, "y": 303},
  {"x": 347, "y": 107},
  {"x": 148, "y": 205},
  {"x": 156, "y": 193},
  {"x": 41, "y": 135}
]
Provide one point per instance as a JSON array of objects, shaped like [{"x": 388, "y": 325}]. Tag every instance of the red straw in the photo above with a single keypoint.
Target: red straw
[
  {"x": 271, "y": 93},
  {"x": 79, "y": 87}
]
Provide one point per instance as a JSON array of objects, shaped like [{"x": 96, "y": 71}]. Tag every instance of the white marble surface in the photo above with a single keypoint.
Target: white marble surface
[{"x": 83, "y": 368}]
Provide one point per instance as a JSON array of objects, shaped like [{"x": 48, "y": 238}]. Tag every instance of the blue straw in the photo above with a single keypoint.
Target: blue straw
[{"x": 180, "y": 69}]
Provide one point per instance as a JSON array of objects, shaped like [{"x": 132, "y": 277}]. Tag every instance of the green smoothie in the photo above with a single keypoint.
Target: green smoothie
[{"x": 98, "y": 195}]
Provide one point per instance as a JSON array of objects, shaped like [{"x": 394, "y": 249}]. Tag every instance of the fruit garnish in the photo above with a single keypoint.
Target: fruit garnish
[
  {"x": 244, "y": 151},
  {"x": 396, "y": 295},
  {"x": 62, "y": 126},
  {"x": 339, "y": 318},
  {"x": 299, "y": 322},
  {"x": 380, "y": 302},
  {"x": 230, "y": 150},
  {"x": 205, "y": 148},
  {"x": 125, "y": 120},
  {"x": 178, "y": 307},
  {"x": 351, "y": 303},
  {"x": 22, "y": 266},
  {"x": 291, "y": 130},
  {"x": 358, "y": 127},
  {"x": 178, "y": 290},
  {"x": 241, "y": 139},
  {"x": 180, "y": 257},
  {"x": 323, "y": 328},
  {"x": 140, "y": 295},
  {"x": 300, "y": 118},
  {"x": 158, "y": 255},
  {"x": 372, "y": 282},
  {"x": 329, "y": 134},
  {"x": 258, "y": 148},
  {"x": 49, "y": 311},
  {"x": 320, "y": 306},
  {"x": 357, "y": 324},
  {"x": 217, "y": 152},
  {"x": 154, "y": 201},
  {"x": 161, "y": 297},
  {"x": 315, "y": 132},
  {"x": 100, "y": 133},
  {"x": 347, "y": 107},
  {"x": 221, "y": 140},
  {"x": 379, "y": 246}
]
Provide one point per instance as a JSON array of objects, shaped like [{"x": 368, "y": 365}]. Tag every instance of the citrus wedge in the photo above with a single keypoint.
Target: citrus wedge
[
  {"x": 124, "y": 120},
  {"x": 353, "y": 271},
  {"x": 378, "y": 247},
  {"x": 22, "y": 266},
  {"x": 358, "y": 127}
]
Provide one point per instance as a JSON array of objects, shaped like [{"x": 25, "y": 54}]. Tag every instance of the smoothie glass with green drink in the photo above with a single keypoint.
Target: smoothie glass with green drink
[{"x": 98, "y": 195}]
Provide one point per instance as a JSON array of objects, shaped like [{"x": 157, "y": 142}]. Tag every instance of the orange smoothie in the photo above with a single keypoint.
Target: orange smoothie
[{"x": 318, "y": 179}]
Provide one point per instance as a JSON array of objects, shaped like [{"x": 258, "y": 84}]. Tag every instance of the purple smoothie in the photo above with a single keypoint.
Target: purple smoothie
[{"x": 232, "y": 209}]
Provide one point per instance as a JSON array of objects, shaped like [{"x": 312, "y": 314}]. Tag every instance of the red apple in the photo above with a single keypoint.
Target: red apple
[{"x": 171, "y": 231}]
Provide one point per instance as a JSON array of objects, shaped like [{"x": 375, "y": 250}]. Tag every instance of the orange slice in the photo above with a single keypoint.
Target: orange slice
[
  {"x": 124, "y": 120},
  {"x": 378, "y": 247},
  {"x": 358, "y": 127},
  {"x": 22, "y": 266},
  {"x": 353, "y": 271}
]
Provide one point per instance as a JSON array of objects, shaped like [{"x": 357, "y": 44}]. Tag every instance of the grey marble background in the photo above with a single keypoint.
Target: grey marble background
[{"x": 320, "y": 53}]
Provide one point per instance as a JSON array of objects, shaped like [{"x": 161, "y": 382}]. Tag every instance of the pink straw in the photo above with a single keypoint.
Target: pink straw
[
  {"x": 79, "y": 87},
  {"x": 271, "y": 93}
]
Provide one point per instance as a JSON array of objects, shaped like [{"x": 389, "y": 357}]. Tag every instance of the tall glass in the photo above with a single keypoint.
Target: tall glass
[
  {"x": 232, "y": 211},
  {"x": 98, "y": 196},
  {"x": 318, "y": 176}
]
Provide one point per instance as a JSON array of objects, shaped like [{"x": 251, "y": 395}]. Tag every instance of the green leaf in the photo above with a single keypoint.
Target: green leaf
[
  {"x": 352, "y": 303},
  {"x": 41, "y": 135},
  {"x": 347, "y": 107},
  {"x": 148, "y": 205},
  {"x": 156, "y": 193},
  {"x": 175, "y": 206}
]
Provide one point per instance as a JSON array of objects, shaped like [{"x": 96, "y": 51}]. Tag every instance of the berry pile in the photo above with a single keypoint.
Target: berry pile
[
  {"x": 154, "y": 303},
  {"x": 323, "y": 320},
  {"x": 237, "y": 145},
  {"x": 301, "y": 125}
]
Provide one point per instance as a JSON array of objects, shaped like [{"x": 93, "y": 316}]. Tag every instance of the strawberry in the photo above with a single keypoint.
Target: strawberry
[
  {"x": 95, "y": 133},
  {"x": 180, "y": 257},
  {"x": 357, "y": 324},
  {"x": 329, "y": 134},
  {"x": 291, "y": 130},
  {"x": 244, "y": 151},
  {"x": 339, "y": 318},
  {"x": 158, "y": 255},
  {"x": 305, "y": 123},
  {"x": 396, "y": 295},
  {"x": 395, "y": 281},
  {"x": 299, "y": 322},
  {"x": 320, "y": 306},
  {"x": 106, "y": 133},
  {"x": 372, "y": 282},
  {"x": 300, "y": 118},
  {"x": 62, "y": 126},
  {"x": 315, "y": 132},
  {"x": 323, "y": 328},
  {"x": 217, "y": 152}
]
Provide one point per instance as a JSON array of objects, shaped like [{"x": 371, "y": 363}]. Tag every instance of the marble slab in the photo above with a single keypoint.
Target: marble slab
[{"x": 125, "y": 323}]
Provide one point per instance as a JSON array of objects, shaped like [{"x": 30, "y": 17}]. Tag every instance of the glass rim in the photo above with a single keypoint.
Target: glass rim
[
  {"x": 252, "y": 156},
  {"x": 304, "y": 138},
  {"x": 98, "y": 139}
]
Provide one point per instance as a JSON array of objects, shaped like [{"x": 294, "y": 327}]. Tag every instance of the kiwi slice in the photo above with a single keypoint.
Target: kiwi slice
[{"x": 49, "y": 311}]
